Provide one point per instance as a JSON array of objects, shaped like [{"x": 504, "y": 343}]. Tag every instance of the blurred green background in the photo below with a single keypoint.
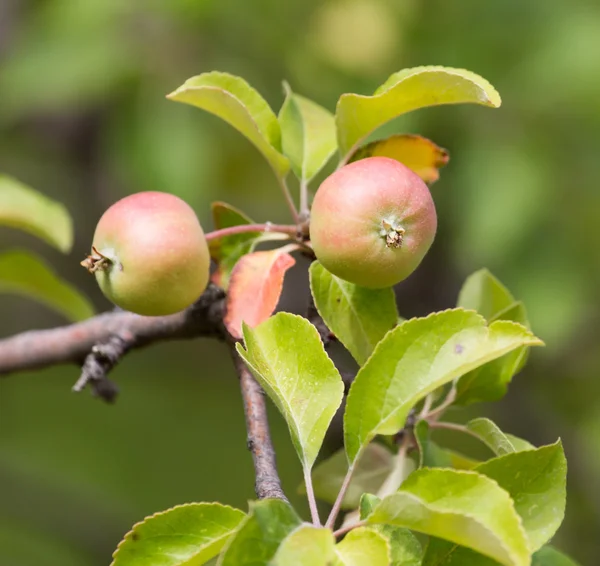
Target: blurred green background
[{"x": 83, "y": 118}]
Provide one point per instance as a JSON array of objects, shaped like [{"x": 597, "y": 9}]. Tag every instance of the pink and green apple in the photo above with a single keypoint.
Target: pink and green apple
[
  {"x": 372, "y": 222},
  {"x": 150, "y": 255}
]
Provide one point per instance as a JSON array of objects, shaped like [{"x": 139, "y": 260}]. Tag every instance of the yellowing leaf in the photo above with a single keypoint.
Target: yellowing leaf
[{"x": 416, "y": 152}]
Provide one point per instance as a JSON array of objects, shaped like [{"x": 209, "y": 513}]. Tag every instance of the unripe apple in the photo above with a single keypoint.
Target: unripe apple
[
  {"x": 150, "y": 255},
  {"x": 372, "y": 222}
]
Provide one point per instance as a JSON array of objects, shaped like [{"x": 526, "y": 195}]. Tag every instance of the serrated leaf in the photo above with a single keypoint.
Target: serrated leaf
[
  {"x": 307, "y": 135},
  {"x": 499, "y": 442},
  {"x": 405, "y": 548},
  {"x": 287, "y": 357},
  {"x": 357, "y": 116},
  {"x": 184, "y": 535},
  {"x": 358, "y": 317},
  {"x": 23, "y": 273},
  {"x": 255, "y": 287},
  {"x": 463, "y": 507},
  {"x": 259, "y": 536},
  {"x": 232, "y": 99},
  {"x": 536, "y": 481},
  {"x": 306, "y": 546},
  {"x": 362, "y": 546},
  {"x": 413, "y": 360},
  {"x": 549, "y": 556},
  {"x": 26, "y": 209},
  {"x": 370, "y": 472},
  {"x": 227, "y": 251},
  {"x": 421, "y": 155}
]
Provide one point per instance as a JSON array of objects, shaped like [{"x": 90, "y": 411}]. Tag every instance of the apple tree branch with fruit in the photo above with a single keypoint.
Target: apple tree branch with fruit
[{"x": 396, "y": 496}]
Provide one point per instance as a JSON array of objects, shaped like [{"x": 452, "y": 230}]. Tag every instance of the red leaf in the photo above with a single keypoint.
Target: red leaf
[{"x": 255, "y": 287}]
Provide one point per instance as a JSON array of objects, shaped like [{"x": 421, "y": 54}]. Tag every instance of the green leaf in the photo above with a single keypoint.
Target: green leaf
[
  {"x": 28, "y": 210},
  {"x": 23, "y": 273},
  {"x": 306, "y": 546},
  {"x": 259, "y": 536},
  {"x": 232, "y": 99},
  {"x": 413, "y": 360},
  {"x": 307, "y": 134},
  {"x": 444, "y": 553},
  {"x": 499, "y": 442},
  {"x": 463, "y": 507},
  {"x": 367, "y": 504},
  {"x": 371, "y": 470},
  {"x": 536, "y": 481},
  {"x": 405, "y": 548},
  {"x": 361, "y": 547},
  {"x": 359, "y": 317},
  {"x": 286, "y": 355},
  {"x": 228, "y": 250},
  {"x": 357, "y": 116},
  {"x": 430, "y": 454},
  {"x": 549, "y": 556},
  {"x": 184, "y": 535},
  {"x": 485, "y": 294}
]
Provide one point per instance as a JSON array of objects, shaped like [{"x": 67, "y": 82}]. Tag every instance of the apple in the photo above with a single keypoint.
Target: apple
[
  {"x": 372, "y": 222},
  {"x": 150, "y": 255}
]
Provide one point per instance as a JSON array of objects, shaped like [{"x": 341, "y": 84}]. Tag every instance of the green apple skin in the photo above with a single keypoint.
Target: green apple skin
[
  {"x": 159, "y": 258},
  {"x": 351, "y": 215}
]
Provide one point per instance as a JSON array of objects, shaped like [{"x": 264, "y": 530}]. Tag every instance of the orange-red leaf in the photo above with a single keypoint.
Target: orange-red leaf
[
  {"x": 255, "y": 287},
  {"x": 421, "y": 155}
]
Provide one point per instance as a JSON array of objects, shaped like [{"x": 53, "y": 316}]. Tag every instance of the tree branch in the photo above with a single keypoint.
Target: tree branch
[
  {"x": 72, "y": 344},
  {"x": 99, "y": 343},
  {"x": 268, "y": 484}
]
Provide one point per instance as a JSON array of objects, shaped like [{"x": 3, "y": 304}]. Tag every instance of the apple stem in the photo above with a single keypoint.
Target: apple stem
[{"x": 244, "y": 228}]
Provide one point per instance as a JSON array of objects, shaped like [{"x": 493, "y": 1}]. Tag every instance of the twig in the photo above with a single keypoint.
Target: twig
[
  {"x": 343, "y": 530},
  {"x": 340, "y": 498},
  {"x": 71, "y": 344},
  {"x": 243, "y": 228},
  {"x": 312, "y": 502},
  {"x": 396, "y": 476},
  {"x": 268, "y": 484},
  {"x": 456, "y": 427},
  {"x": 288, "y": 198},
  {"x": 99, "y": 362},
  {"x": 439, "y": 410}
]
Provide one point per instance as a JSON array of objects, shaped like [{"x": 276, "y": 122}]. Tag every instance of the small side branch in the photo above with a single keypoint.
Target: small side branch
[
  {"x": 268, "y": 484},
  {"x": 99, "y": 362}
]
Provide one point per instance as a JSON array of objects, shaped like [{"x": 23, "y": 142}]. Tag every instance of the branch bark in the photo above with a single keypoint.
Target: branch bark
[
  {"x": 71, "y": 344},
  {"x": 268, "y": 484},
  {"x": 99, "y": 343}
]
